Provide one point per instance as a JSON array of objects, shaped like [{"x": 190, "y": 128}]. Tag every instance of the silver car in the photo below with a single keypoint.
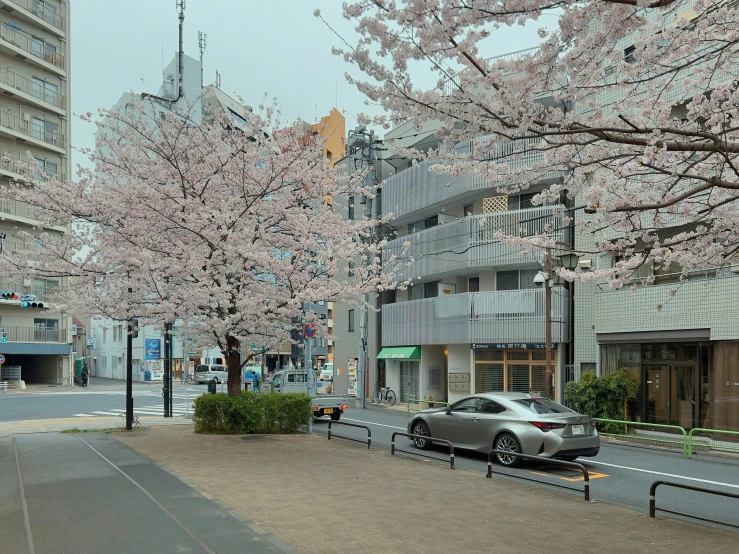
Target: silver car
[{"x": 509, "y": 421}]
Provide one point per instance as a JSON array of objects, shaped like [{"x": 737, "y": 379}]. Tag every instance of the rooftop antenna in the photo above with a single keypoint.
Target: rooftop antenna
[
  {"x": 202, "y": 43},
  {"x": 181, "y": 51},
  {"x": 218, "y": 79}
]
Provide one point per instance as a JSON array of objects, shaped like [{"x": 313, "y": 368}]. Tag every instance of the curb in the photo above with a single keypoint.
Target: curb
[{"x": 278, "y": 543}]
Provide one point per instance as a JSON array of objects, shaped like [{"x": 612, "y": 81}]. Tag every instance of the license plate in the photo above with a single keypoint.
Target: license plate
[
  {"x": 328, "y": 410},
  {"x": 578, "y": 429}
]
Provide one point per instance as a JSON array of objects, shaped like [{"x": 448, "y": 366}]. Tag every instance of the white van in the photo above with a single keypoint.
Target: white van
[{"x": 206, "y": 373}]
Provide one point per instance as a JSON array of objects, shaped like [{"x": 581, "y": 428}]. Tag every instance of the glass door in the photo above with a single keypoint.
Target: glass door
[
  {"x": 658, "y": 393},
  {"x": 684, "y": 397}
]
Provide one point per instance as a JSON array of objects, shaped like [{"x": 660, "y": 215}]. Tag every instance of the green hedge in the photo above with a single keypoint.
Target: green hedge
[
  {"x": 601, "y": 397},
  {"x": 251, "y": 413}
]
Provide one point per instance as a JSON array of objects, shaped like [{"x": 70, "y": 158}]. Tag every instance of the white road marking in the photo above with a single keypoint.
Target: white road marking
[
  {"x": 84, "y": 415},
  {"x": 696, "y": 479},
  {"x": 378, "y": 424},
  {"x": 664, "y": 474},
  {"x": 105, "y": 413}
]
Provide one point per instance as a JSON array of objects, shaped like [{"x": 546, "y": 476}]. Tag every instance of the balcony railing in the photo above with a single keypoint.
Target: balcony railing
[
  {"x": 35, "y": 47},
  {"x": 16, "y": 208},
  {"x": 43, "y": 294},
  {"x": 17, "y": 162},
  {"x": 37, "y": 90},
  {"x": 31, "y": 129},
  {"x": 17, "y": 333},
  {"x": 43, "y": 11},
  {"x": 470, "y": 242},
  {"x": 515, "y": 316}
]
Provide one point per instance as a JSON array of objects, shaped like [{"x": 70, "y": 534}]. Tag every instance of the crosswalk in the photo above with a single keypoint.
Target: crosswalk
[{"x": 178, "y": 409}]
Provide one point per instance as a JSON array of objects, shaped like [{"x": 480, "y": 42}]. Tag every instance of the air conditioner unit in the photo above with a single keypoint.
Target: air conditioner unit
[
  {"x": 735, "y": 268},
  {"x": 26, "y": 116},
  {"x": 585, "y": 264}
]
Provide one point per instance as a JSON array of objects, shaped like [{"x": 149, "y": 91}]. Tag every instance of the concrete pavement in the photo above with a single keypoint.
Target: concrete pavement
[
  {"x": 9, "y": 428},
  {"x": 79, "y": 494},
  {"x": 324, "y": 496}
]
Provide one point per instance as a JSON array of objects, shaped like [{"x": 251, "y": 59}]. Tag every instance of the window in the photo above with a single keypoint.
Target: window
[
  {"x": 431, "y": 290},
  {"x": 490, "y": 407},
  {"x": 507, "y": 280},
  {"x": 351, "y": 321},
  {"x": 114, "y": 362},
  {"x": 543, "y": 406},
  {"x": 432, "y": 374},
  {"x": 45, "y": 131},
  {"x": 469, "y": 405},
  {"x": 105, "y": 335},
  {"x": 44, "y": 91},
  {"x": 329, "y": 155},
  {"x": 469, "y": 210},
  {"x": 46, "y": 169},
  {"x": 351, "y": 207},
  {"x": 238, "y": 118},
  {"x": 527, "y": 278},
  {"x": 104, "y": 362},
  {"x": 629, "y": 54},
  {"x": 351, "y": 269},
  {"x": 45, "y": 10},
  {"x": 473, "y": 284},
  {"x": 416, "y": 292}
]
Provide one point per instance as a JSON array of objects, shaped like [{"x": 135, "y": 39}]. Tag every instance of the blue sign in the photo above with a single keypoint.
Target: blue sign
[
  {"x": 2, "y": 359},
  {"x": 309, "y": 330},
  {"x": 153, "y": 349}
]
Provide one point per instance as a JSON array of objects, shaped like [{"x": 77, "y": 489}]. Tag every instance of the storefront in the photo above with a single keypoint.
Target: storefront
[
  {"x": 513, "y": 368},
  {"x": 689, "y": 384},
  {"x": 403, "y": 371}
]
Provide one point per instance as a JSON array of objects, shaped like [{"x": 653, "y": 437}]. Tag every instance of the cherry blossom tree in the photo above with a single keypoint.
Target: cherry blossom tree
[
  {"x": 633, "y": 103},
  {"x": 226, "y": 232}
]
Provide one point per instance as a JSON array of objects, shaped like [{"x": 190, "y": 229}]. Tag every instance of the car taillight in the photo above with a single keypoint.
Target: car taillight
[{"x": 547, "y": 426}]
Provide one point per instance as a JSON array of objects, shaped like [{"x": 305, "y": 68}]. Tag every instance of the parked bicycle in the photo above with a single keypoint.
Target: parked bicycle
[{"x": 384, "y": 394}]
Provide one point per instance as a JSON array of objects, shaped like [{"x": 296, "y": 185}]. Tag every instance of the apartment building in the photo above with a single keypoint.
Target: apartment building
[
  {"x": 681, "y": 348},
  {"x": 35, "y": 142}
]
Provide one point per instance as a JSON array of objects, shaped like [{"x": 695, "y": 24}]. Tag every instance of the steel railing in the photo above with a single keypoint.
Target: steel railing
[
  {"x": 431, "y": 404},
  {"x": 19, "y": 163},
  {"x": 31, "y": 129},
  {"x": 683, "y": 442},
  {"x": 563, "y": 463},
  {"x": 432, "y": 440},
  {"x": 43, "y": 11},
  {"x": 36, "y": 47},
  {"x": 653, "y": 501},
  {"x": 692, "y": 433},
  {"x": 37, "y": 90},
  {"x": 369, "y": 432},
  {"x": 17, "y": 333}
]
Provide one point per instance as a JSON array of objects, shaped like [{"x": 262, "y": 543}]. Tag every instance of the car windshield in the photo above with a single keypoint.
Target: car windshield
[
  {"x": 201, "y": 368},
  {"x": 543, "y": 406}
]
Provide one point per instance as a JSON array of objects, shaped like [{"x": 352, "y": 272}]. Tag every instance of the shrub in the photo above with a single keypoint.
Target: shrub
[
  {"x": 601, "y": 397},
  {"x": 251, "y": 413}
]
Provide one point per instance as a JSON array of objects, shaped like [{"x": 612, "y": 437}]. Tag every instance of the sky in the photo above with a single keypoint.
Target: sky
[{"x": 276, "y": 47}]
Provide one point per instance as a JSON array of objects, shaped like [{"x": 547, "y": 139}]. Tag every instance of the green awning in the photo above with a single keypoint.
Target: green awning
[{"x": 400, "y": 353}]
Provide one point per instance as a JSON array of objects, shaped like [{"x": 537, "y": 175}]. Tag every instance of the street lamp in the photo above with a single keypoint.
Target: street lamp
[{"x": 549, "y": 277}]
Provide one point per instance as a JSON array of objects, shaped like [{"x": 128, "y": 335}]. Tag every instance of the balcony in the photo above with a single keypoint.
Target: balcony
[
  {"x": 17, "y": 333},
  {"x": 417, "y": 190},
  {"x": 469, "y": 243},
  {"x": 41, "y": 135},
  {"x": 21, "y": 43},
  {"x": 19, "y": 167},
  {"x": 35, "y": 92},
  {"x": 40, "y": 10},
  {"x": 515, "y": 316}
]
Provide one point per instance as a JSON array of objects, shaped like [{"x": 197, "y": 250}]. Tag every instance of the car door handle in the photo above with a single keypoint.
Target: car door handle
[{"x": 475, "y": 419}]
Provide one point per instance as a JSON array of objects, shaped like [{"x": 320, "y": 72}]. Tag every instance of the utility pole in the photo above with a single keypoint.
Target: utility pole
[
  {"x": 362, "y": 152},
  {"x": 548, "y": 323},
  {"x": 129, "y": 373},
  {"x": 310, "y": 377},
  {"x": 167, "y": 389}
]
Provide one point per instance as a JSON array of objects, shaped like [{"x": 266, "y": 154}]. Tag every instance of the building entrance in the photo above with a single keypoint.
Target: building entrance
[{"x": 672, "y": 394}]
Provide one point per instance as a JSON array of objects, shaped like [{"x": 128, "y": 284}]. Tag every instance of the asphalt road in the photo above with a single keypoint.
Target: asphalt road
[
  {"x": 93, "y": 401},
  {"x": 619, "y": 474}
]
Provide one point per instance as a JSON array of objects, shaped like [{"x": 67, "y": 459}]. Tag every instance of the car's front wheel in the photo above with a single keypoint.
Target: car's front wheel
[
  {"x": 508, "y": 443},
  {"x": 421, "y": 430}
]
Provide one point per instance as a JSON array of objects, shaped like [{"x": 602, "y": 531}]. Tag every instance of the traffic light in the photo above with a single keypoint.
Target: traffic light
[
  {"x": 134, "y": 327},
  {"x": 29, "y": 301},
  {"x": 4, "y": 335},
  {"x": 9, "y": 295}
]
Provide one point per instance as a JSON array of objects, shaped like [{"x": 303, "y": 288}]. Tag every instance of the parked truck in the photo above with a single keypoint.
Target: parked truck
[{"x": 331, "y": 405}]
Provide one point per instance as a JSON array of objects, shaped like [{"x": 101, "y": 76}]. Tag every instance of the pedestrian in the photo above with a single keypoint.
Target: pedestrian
[{"x": 85, "y": 376}]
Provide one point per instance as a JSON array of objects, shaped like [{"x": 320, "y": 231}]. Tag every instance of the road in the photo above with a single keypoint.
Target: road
[
  {"x": 619, "y": 474},
  {"x": 94, "y": 401}
]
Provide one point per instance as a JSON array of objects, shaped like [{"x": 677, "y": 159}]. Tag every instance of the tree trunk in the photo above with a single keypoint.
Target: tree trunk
[{"x": 233, "y": 359}]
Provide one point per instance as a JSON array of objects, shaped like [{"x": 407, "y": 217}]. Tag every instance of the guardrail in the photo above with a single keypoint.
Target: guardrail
[
  {"x": 719, "y": 431},
  {"x": 653, "y": 501},
  {"x": 431, "y": 402},
  {"x": 393, "y": 449},
  {"x": 575, "y": 465},
  {"x": 369, "y": 432},
  {"x": 683, "y": 443}
]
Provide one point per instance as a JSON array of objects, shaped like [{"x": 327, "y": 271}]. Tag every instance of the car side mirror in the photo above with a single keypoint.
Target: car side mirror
[{"x": 448, "y": 410}]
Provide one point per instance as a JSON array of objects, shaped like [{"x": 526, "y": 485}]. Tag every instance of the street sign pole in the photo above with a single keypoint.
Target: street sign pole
[
  {"x": 308, "y": 332},
  {"x": 167, "y": 385},
  {"x": 129, "y": 376}
]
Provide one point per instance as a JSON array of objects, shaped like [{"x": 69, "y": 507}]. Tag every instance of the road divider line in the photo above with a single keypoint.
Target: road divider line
[{"x": 664, "y": 474}]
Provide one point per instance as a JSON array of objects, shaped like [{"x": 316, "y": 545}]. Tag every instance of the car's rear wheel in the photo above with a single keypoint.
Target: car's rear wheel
[
  {"x": 569, "y": 458},
  {"x": 336, "y": 416},
  {"x": 509, "y": 443},
  {"x": 420, "y": 428}
]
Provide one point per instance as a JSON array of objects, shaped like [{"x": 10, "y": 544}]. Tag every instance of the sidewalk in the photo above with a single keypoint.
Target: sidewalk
[
  {"x": 8, "y": 428},
  {"x": 323, "y": 496}
]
